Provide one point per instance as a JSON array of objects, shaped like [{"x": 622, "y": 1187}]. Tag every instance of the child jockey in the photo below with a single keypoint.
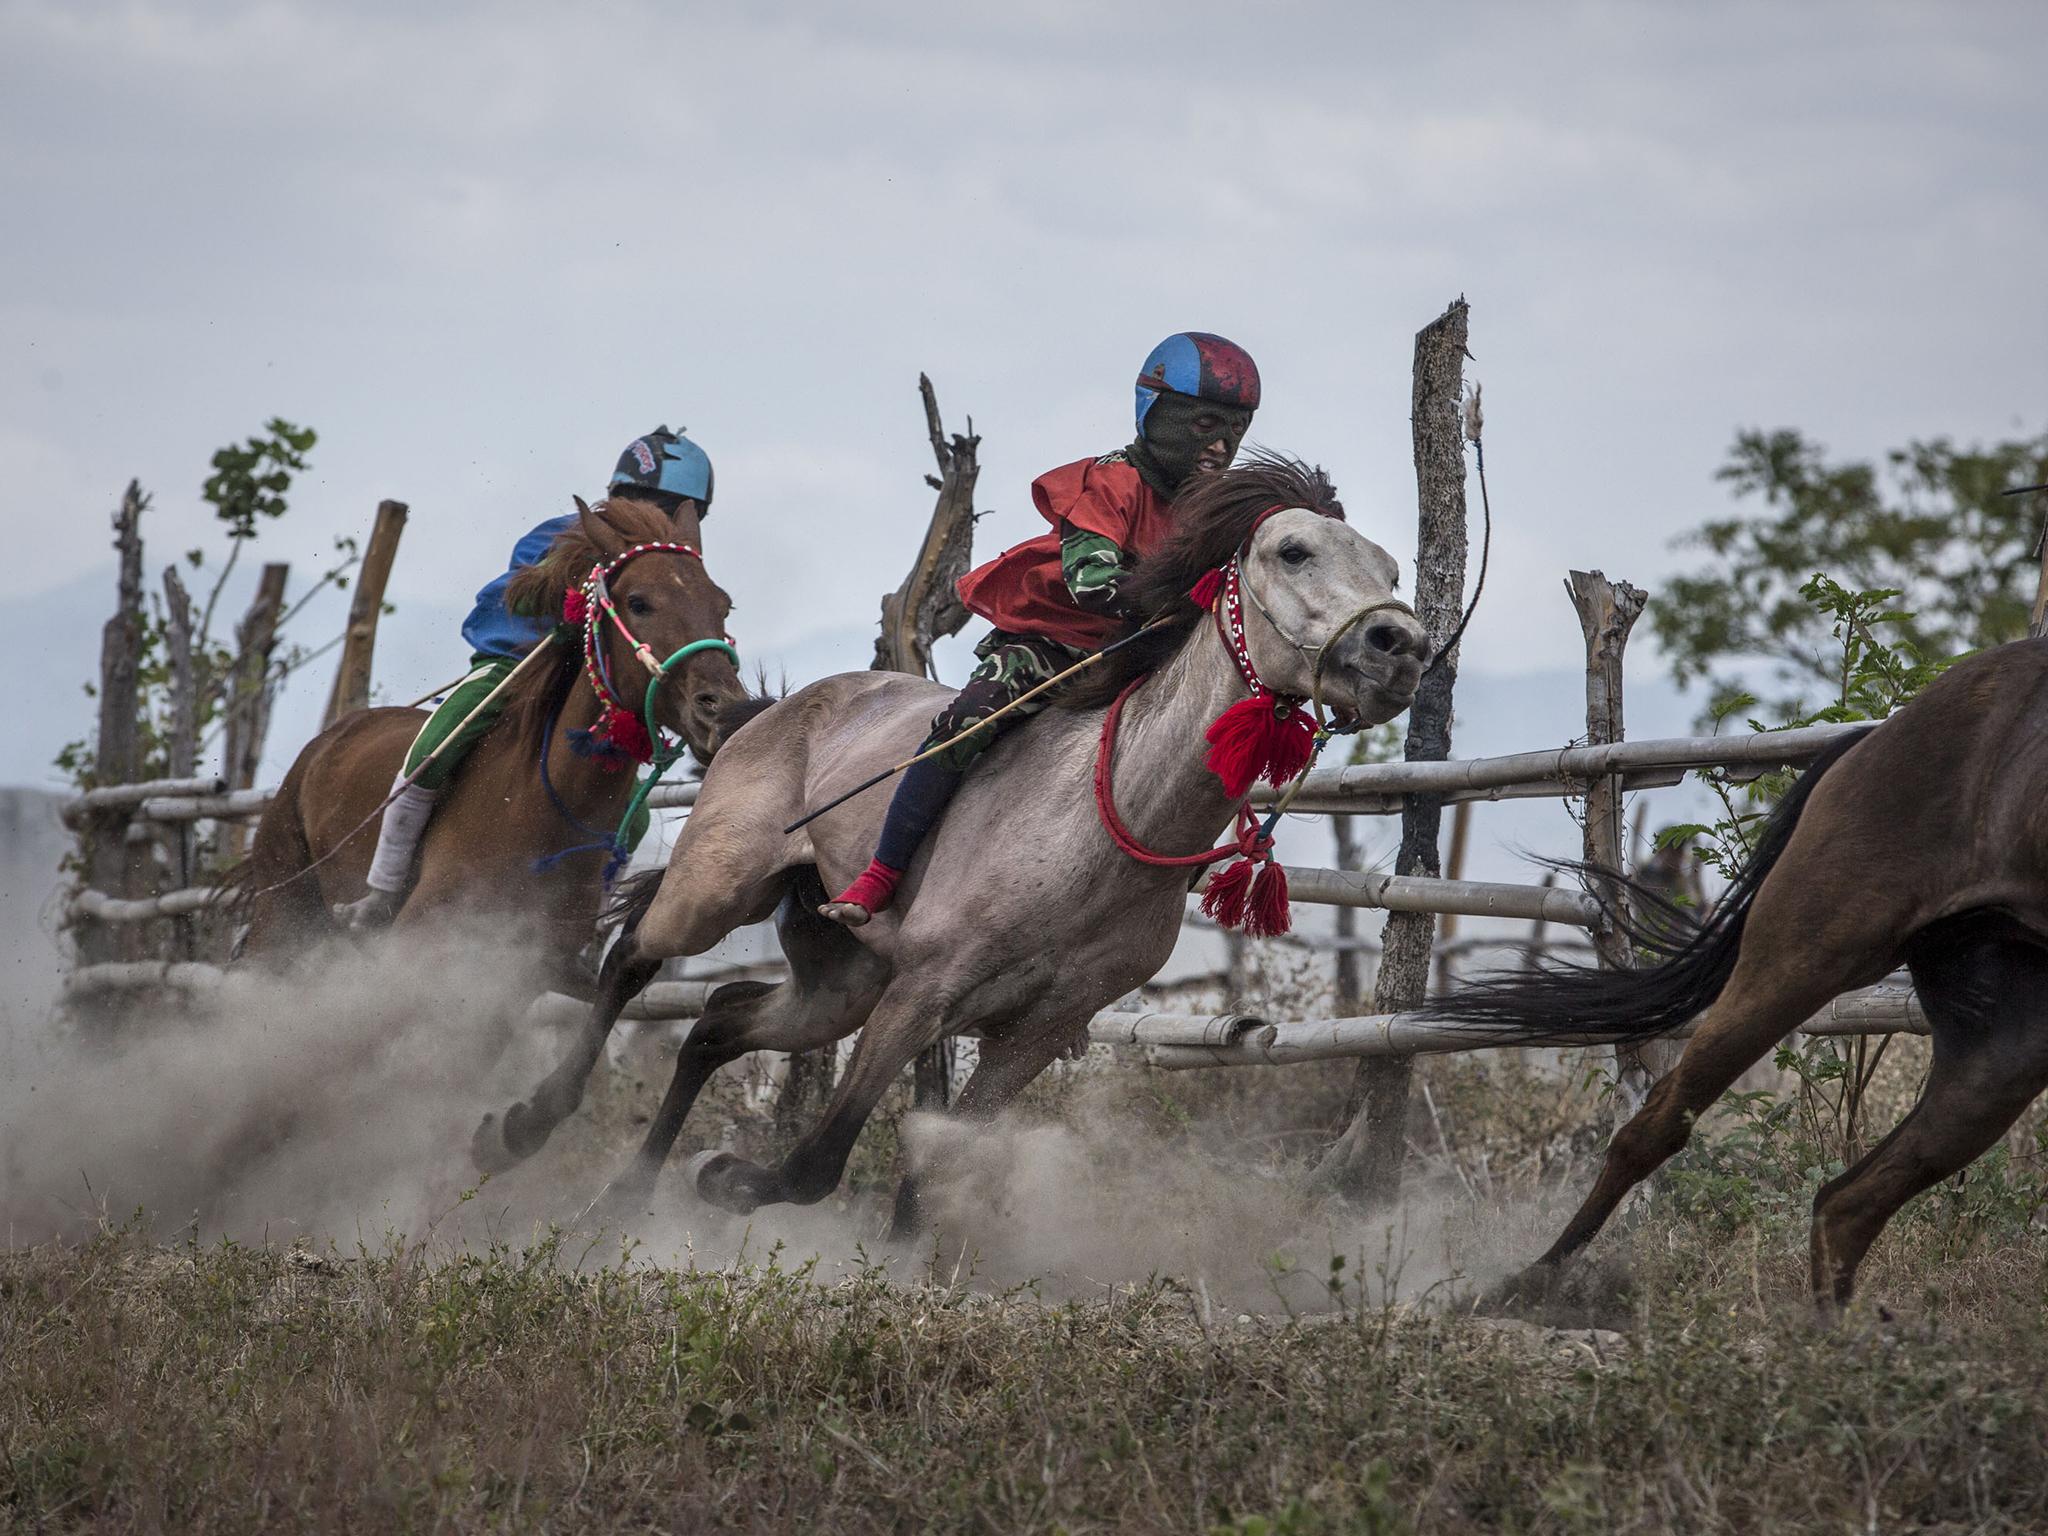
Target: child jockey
[
  {"x": 1055, "y": 598},
  {"x": 663, "y": 468}
]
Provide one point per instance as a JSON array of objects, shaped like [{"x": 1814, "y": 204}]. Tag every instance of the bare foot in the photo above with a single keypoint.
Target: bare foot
[{"x": 849, "y": 914}]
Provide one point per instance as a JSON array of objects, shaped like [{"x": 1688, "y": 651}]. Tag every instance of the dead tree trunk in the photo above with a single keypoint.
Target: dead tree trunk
[
  {"x": 1364, "y": 1163},
  {"x": 924, "y": 608},
  {"x": 359, "y": 642},
  {"x": 250, "y": 690},
  {"x": 110, "y": 865},
  {"x": 1607, "y": 612},
  {"x": 181, "y": 741}
]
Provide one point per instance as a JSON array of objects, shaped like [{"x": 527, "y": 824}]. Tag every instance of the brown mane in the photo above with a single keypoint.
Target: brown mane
[
  {"x": 1212, "y": 516},
  {"x": 602, "y": 531}
]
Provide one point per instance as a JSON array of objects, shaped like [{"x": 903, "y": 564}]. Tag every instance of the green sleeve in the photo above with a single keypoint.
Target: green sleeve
[{"x": 1093, "y": 568}]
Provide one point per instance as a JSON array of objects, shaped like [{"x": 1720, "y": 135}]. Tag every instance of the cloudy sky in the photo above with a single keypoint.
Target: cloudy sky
[{"x": 479, "y": 247}]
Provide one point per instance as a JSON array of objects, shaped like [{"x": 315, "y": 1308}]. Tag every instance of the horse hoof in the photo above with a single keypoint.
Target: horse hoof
[
  {"x": 848, "y": 914},
  {"x": 492, "y": 1149},
  {"x": 723, "y": 1180}
]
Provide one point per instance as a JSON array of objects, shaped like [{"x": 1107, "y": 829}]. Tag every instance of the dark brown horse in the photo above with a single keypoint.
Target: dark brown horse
[
  {"x": 1922, "y": 841},
  {"x": 497, "y": 820}
]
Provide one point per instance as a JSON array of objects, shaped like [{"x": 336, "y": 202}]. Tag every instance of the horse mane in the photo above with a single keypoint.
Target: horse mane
[
  {"x": 600, "y": 532},
  {"x": 1212, "y": 516}
]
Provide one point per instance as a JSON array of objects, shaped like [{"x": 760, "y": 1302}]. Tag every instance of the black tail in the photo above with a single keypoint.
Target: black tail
[
  {"x": 1694, "y": 957},
  {"x": 631, "y": 898}
]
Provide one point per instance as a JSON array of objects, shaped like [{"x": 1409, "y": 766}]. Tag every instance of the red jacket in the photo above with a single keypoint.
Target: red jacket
[{"x": 1023, "y": 590}]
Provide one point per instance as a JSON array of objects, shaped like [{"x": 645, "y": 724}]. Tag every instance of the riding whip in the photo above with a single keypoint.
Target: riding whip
[{"x": 980, "y": 725}]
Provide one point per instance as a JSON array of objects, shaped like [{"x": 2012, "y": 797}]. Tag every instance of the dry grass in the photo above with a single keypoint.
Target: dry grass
[{"x": 1153, "y": 1331}]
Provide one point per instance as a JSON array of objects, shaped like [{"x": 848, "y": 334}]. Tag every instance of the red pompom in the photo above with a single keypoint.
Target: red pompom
[
  {"x": 1259, "y": 738},
  {"x": 1203, "y": 593},
  {"x": 627, "y": 735},
  {"x": 1293, "y": 748},
  {"x": 575, "y": 606},
  {"x": 1226, "y": 894},
  {"x": 1267, "y": 914}
]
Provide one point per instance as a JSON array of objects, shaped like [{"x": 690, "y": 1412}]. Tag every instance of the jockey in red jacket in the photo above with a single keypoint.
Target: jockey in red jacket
[{"x": 1054, "y": 599}]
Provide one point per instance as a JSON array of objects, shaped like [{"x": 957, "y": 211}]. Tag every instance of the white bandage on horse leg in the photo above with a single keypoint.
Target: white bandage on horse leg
[{"x": 398, "y": 838}]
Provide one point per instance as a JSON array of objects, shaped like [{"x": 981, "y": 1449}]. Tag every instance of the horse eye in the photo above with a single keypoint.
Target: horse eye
[
  {"x": 639, "y": 605},
  {"x": 1295, "y": 554}
]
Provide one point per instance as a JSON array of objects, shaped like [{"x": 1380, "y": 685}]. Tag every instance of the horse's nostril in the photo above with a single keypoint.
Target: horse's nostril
[{"x": 1392, "y": 639}]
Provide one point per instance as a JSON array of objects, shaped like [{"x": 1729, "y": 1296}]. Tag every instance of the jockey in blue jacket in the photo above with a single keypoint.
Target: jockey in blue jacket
[{"x": 664, "y": 468}]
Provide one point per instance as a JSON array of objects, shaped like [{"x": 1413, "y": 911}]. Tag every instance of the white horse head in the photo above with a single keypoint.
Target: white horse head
[{"x": 1320, "y": 599}]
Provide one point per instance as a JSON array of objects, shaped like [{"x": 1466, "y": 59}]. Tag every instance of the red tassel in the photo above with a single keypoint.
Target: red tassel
[
  {"x": 1240, "y": 744},
  {"x": 1203, "y": 593},
  {"x": 575, "y": 606},
  {"x": 628, "y": 735},
  {"x": 1228, "y": 890},
  {"x": 1293, "y": 748},
  {"x": 1267, "y": 914}
]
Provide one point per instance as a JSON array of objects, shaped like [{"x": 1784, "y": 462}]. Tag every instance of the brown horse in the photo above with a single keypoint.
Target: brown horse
[
  {"x": 1922, "y": 841},
  {"x": 497, "y": 819},
  {"x": 1023, "y": 914}
]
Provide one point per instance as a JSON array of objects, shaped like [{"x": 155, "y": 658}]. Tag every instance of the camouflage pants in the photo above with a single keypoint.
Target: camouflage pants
[{"x": 1011, "y": 666}]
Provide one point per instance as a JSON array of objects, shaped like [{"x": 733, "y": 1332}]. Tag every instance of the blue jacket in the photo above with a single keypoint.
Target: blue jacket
[{"x": 494, "y": 630}]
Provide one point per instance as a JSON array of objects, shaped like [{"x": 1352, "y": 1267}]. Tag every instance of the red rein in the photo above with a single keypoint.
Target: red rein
[{"x": 1265, "y": 736}]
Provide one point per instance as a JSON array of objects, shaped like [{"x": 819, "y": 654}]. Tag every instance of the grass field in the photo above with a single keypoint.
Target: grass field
[{"x": 1137, "y": 1325}]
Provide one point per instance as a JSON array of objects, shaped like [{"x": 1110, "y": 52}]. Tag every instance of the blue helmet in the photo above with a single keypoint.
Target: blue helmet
[
  {"x": 1199, "y": 364},
  {"x": 665, "y": 461}
]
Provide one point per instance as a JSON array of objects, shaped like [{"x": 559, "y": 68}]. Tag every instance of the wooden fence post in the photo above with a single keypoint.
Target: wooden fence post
[
  {"x": 181, "y": 742},
  {"x": 1350, "y": 989},
  {"x": 924, "y": 608},
  {"x": 250, "y": 690},
  {"x": 1607, "y": 611},
  {"x": 110, "y": 863},
  {"x": 1364, "y": 1163},
  {"x": 359, "y": 642}
]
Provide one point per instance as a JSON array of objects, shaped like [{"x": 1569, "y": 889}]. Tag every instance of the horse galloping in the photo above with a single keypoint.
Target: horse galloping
[
  {"x": 1028, "y": 909},
  {"x": 1921, "y": 841},
  {"x": 531, "y": 792}
]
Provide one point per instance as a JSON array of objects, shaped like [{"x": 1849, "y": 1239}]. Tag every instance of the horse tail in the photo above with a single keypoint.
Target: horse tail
[
  {"x": 631, "y": 898},
  {"x": 1694, "y": 957}
]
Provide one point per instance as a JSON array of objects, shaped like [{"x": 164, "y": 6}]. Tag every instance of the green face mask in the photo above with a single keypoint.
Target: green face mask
[{"x": 1185, "y": 436}]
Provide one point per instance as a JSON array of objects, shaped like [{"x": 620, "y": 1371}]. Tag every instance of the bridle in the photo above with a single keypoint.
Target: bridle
[
  {"x": 620, "y": 736},
  {"x": 620, "y": 733},
  {"x": 1230, "y": 624}
]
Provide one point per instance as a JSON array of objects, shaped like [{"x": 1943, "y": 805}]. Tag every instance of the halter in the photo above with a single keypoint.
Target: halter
[
  {"x": 1266, "y": 735},
  {"x": 620, "y": 736}
]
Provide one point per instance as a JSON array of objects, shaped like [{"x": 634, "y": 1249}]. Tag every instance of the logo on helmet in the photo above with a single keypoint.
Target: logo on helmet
[{"x": 642, "y": 455}]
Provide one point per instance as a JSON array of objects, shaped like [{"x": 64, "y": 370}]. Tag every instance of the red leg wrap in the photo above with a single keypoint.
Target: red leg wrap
[{"x": 874, "y": 888}]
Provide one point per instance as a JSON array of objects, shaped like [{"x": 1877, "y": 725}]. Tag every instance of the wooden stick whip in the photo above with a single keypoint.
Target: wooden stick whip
[{"x": 980, "y": 725}]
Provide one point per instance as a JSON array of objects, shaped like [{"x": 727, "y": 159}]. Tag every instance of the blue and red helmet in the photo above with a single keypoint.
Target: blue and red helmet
[
  {"x": 665, "y": 461},
  {"x": 1199, "y": 364}
]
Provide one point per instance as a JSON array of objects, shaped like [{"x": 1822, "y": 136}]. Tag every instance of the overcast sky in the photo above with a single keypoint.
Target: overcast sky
[{"x": 479, "y": 247}]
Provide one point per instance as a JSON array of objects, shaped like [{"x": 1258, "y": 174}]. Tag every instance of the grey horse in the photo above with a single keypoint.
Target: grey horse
[{"x": 1020, "y": 918}]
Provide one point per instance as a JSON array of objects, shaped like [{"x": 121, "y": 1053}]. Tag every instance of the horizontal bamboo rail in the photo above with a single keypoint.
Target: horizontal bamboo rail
[
  {"x": 1174, "y": 1041},
  {"x": 1177, "y": 1042},
  {"x": 1361, "y": 789},
  {"x": 1559, "y": 771},
  {"x": 102, "y": 908},
  {"x": 126, "y": 797}
]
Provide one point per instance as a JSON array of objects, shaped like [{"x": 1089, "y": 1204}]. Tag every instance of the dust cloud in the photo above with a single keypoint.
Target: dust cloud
[{"x": 333, "y": 1107}]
